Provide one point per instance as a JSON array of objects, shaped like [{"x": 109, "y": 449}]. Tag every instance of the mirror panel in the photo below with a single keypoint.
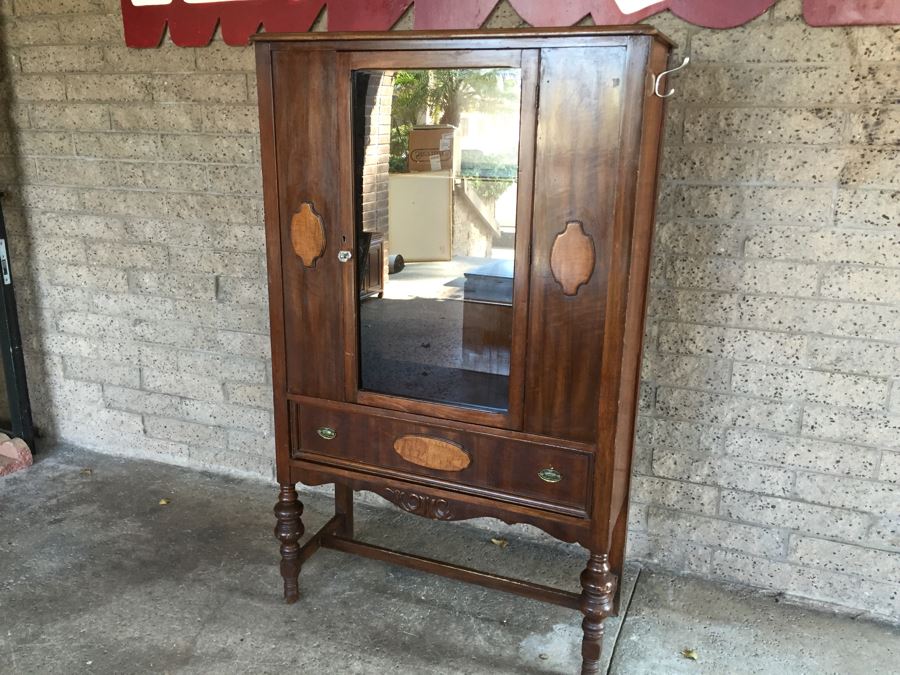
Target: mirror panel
[{"x": 435, "y": 172}]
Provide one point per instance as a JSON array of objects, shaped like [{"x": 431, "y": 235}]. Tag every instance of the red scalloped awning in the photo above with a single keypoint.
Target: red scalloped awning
[{"x": 192, "y": 24}]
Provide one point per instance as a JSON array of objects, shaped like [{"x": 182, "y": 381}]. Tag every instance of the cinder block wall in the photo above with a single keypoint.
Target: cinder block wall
[{"x": 769, "y": 441}]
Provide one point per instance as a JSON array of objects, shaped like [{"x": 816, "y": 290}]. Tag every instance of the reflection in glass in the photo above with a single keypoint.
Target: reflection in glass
[{"x": 436, "y": 162}]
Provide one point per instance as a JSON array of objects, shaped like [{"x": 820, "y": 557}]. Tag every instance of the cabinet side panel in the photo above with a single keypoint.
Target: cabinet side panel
[
  {"x": 577, "y": 156},
  {"x": 306, "y": 142},
  {"x": 638, "y": 276}
]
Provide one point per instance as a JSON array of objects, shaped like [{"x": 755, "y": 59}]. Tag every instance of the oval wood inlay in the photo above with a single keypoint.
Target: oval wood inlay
[
  {"x": 432, "y": 453},
  {"x": 572, "y": 258},
  {"x": 308, "y": 234}
]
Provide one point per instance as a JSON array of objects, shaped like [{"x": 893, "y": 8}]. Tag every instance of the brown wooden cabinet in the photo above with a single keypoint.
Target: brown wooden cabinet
[{"x": 497, "y": 375}]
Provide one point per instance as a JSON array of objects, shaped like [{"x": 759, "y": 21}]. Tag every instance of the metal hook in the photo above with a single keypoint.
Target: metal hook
[{"x": 658, "y": 80}]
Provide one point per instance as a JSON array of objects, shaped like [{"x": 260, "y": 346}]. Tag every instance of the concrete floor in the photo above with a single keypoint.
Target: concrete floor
[{"x": 97, "y": 576}]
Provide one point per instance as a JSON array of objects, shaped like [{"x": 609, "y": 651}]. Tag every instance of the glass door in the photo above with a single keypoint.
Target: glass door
[{"x": 442, "y": 171}]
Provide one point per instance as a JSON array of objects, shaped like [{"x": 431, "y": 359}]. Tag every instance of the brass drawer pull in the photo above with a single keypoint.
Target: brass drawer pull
[
  {"x": 327, "y": 433},
  {"x": 550, "y": 475}
]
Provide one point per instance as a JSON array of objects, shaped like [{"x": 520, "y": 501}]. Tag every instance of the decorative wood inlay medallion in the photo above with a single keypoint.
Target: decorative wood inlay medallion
[
  {"x": 420, "y": 505},
  {"x": 432, "y": 453},
  {"x": 308, "y": 234},
  {"x": 572, "y": 258}
]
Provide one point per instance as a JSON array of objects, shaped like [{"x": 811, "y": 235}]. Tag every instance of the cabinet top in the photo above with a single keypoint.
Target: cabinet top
[{"x": 475, "y": 35}]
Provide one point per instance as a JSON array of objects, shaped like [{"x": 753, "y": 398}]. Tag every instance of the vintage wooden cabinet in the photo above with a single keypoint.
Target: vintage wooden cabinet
[{"x": 501, "y": 378}]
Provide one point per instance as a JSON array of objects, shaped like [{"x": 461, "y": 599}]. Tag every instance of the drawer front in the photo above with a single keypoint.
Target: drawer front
[{"x": 519, "y": 468}]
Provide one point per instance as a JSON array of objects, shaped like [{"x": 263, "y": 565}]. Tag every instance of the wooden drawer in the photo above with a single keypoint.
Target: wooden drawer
[{"x": 480, "y": 462}]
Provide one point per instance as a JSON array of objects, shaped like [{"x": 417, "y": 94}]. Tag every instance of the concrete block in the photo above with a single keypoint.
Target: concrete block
[
  {"x": 92, "y": 29},
  {"x": 710, "y": 163},
  {"x": 127, "y": 256},
  {"x": 250, "y": 239},
  {"x": 866, "y": 284},
  {"x": 873, "y": 168},
  {"x": 687, "y": 371},
  {"x": 776, "y": 85},
  {"x": 55, "y": 143},
  {"x": 837, "y": 557},
  {"x": 118, "y": 146},
  {"x": 693, "y": 306},
  {"x": 764, "y": 42},
  {"x": 200, "y": 88},
  {"x": 235, "y": 179},
  {"x": 174, "y": 285},
  {"x": 813, "y": 519},
  {"x": 849, "y": 493},
  {"x": 162, "y": 176},
  {"x": 875, "y": 127},
  {"x": 819, "y": 126},
  {"x": 116, "y": 88},
  {"x": 38, "y": 30},
  {"x": 134, "y": 306},
  {"x": 224, "y": 367},
  {"x": 674, "y": 494},
  {"x": 722, "y": 471},
  {"x": 113, "y": 280},
  {"x": 803, "y": 164},
  {"x": 124, "y": 202},
  {"x": 73, "y": 225},
  {"x": 60, "y": 59},
  {"x": 75, "y": 171},
  {"x": 852, "y": 425},
  {"x": 33, "y": 88},
  {"x": 885, "y": 533},
  {"x": 209, "y": 148},
  {"x": 172, "y": 117},
  {"x": 175, "y": 333},
  {"x": 682, "y": 238},
  {"x": 182, "y": 383},
  {"x": 104, "y": 371},
  {"x": 854, "y": 356},
  {"x": 242, "y": 290},
  {"x": 839, "y": 246},
  {"x": 165, "y": 59},
  {"x": 734, "y": 343},
  {"x": 224, "y": 58},
  {"x": 729, "y": 274},
  {"x": 206, "y": 261},
  {"x": 244, "y": 344},
  {"x": 70, "y": 116},
  {"x": 188, "y": 433},
  {"x": 94, "y": 325},
  {"x": 875, "y": 43},
  {"x": 717, "y": 533},
  {"x": 809, "y": 385},
  {"x": 231, "y": 119},
  {"x": 680, "y": 436},
  {"x": 254, "y": 395},
  {"x": 868, "y": 208},
  {"x": 211, "y": 208},
  {"x": 890, "y": 467},
  {"x": 757, "y": 205},
  {"x": 727, "y": 410},
  {"x": 802, "y": 453},
  {"x": 880, "y": 598},
  {"x": 30, "y": 7},
  {"x": 825, "y": 317}
]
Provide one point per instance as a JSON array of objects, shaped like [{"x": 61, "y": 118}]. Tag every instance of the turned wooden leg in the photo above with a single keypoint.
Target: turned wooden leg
[
  {"x": 343, "y": 505},
  {"x": 598, "y": 586},
  {"x": 288, "y": 530}
]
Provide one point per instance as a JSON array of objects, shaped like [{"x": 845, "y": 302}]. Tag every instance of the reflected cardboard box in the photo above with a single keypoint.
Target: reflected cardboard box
[{"x": 433, "y": 148}]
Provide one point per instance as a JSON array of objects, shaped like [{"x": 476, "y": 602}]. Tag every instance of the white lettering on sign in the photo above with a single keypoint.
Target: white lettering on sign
[{"x": 630, "y": 6}]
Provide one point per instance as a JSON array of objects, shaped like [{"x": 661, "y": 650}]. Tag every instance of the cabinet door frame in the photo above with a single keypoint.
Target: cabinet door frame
[{"x": 527, "y": 61}]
